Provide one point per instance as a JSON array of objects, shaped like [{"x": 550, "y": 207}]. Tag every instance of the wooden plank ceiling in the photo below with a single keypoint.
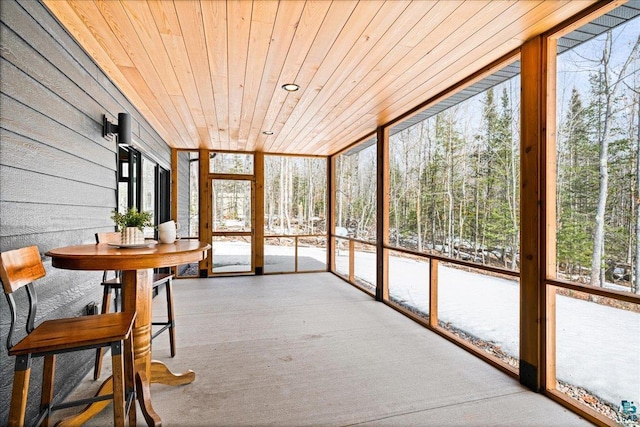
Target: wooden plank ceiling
[{"x": 208, "y": 74}]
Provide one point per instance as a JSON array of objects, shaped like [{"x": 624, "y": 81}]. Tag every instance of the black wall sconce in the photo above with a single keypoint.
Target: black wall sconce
[{"x": 122, "y": 129}]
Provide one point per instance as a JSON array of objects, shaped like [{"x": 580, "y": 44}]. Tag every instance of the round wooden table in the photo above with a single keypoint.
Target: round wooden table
[{"x": 137, "y": 266}]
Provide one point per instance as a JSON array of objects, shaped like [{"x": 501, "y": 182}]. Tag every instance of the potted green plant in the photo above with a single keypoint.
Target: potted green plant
[{"x": 131, "y": 223}]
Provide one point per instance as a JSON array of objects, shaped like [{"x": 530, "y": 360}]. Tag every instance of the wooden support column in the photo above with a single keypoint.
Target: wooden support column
[
  {"x": 174, "y": 184},
  {"x": 352, "y": 261},
  {"x": 548, "y": 182},
  {"x": 330, "y": 214},
  {"x": 258, "y": 233},
  {"x": 382, "y": 214},
  {"x": 174, "y": 192},
  {"x": 204, "y": 211},
  {"x": 534, "y": 207},
  {"x": 433, "y": 293}
]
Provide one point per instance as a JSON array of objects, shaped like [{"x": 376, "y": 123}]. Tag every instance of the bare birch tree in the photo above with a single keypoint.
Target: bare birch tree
[{"x": 608, "y": 86}]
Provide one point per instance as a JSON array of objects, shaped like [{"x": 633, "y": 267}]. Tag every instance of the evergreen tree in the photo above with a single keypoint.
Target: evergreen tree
[{"x": 577, "y": 182}]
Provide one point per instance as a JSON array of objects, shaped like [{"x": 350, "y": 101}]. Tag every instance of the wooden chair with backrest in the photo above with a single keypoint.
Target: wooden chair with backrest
[
  {"x": 19, "y": 269},
  {"x": 111, "y": 281}
]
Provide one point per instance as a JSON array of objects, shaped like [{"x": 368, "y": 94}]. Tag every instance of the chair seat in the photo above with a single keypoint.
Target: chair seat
[
  {"x": 20, "y": 268},
  {"x": 158, "y": 279},
  {"x": 71, "y": 334}
]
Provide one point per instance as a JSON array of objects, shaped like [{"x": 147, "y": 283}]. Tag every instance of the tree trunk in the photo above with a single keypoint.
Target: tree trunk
[
  {"x": 287, "y": 194},
  {"x": 636, "y": 279},
  {"x": 281, "y": 192},
  {"x": 310, "y": 202},
  {"x": 419, "y": 191},
  {"x": 610, "y": 91}
]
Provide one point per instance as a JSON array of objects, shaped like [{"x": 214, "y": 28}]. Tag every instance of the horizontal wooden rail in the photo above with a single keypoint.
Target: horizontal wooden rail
[
  {"x": 423, "y": 321},
  {"x": 296, "y": 238},
  {"x": 595, "y": 290},
  {"x": 351, "y": 239},
  {"x": 230, "y": 176},
  {"x": 232, "y": 233},
  {"x": 469, "y": 264},
  {"x": 588, "y": 289},
  {"x": 583, "y": 410},
  {"x": 439, "y": 258},
  {"x": 291, "y": 236}
]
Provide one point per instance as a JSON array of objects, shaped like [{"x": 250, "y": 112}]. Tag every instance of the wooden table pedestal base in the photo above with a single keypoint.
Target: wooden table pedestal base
[
  {"x": 137, "y": 266},
  {"x": 160, "y": 374}
]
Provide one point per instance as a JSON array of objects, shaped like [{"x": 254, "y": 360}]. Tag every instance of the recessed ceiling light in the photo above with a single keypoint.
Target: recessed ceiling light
[
  {"x": 290, "y": 87},
  {"x": 268, "y": 132}
]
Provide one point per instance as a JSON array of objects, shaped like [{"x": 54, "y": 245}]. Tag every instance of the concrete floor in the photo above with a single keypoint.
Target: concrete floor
[{"x": 308, "y": 350}]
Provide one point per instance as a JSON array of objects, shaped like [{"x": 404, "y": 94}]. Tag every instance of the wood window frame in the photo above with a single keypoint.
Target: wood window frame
[
  {"x": 378, "y": 244},
  {"x": 260, "y": 223},
  {"x": 537, "y": 274},
  {"x": 546, "y": 60}
]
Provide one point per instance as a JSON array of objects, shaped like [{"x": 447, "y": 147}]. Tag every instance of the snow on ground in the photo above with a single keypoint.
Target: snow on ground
[
  {"x": 236, "y": 257},
  {"x": 598, "y": 347}
]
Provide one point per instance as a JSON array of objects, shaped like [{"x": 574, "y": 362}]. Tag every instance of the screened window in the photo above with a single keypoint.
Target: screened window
[
  {"x": 597, "y": 228},
  {"x": 231, "y": 163},
  {"x": 454, "y": 177},
  {"x": 597, "y": 151},
  {"x": 454, "y": 180},
  {"x": 356, "y": 192},
  {"x": 295, "y": 195},
  {"x": 295, "y": 224}
]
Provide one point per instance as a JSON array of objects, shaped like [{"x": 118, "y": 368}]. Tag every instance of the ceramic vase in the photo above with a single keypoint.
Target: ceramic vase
[{"x": 132, "y": 236}]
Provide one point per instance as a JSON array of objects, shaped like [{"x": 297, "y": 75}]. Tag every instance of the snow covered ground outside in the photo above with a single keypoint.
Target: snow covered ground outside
[
  {"x": 598, "y": 347},
  {"x": 236, "y": 257}
]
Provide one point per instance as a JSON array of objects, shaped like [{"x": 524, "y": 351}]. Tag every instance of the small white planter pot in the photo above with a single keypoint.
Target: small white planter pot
[{"x": 132, "y": 236}]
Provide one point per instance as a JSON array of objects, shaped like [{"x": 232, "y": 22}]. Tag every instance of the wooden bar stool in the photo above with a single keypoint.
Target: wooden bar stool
[
  {"x": 20, "y": 268},
  {"x": 114, "y": 284}
]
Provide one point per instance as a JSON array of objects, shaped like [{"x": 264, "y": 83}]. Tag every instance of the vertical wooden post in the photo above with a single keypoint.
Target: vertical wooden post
[
  {"x": 295, "y": 258},
  {"x": 174, "y": 196},
  {"x": 204, "y": 210},
  {"x": 382, "y": 214},
  {"x": 352, "y": 262},
  {"x": 258, "y": 209},
  {"x": 330, "y": 214},
  {"x": 433, "y": 292},
  {"x": 533, "y": 213},
  {"x": 549, "y": 180},
  {"x": 174, "y": 184}
]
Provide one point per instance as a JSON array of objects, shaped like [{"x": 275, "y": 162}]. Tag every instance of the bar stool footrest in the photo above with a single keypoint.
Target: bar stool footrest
[{"x": 165, "y": 326}]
